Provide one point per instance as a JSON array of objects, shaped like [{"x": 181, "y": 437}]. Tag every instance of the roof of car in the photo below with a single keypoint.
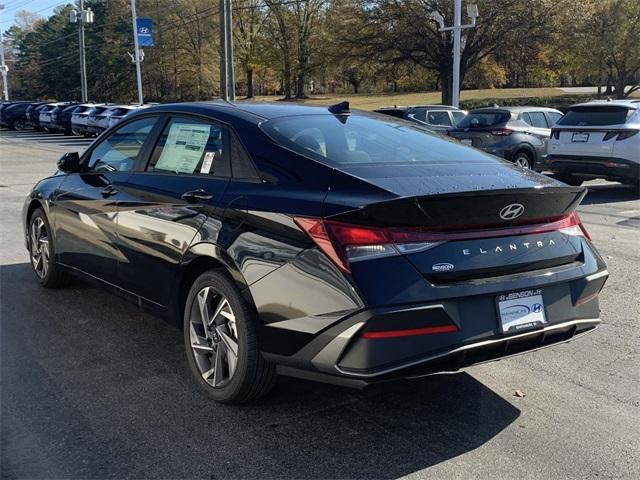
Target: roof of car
[
  {"x": 635, "y": 104},
  {"x": 259, "y": 111},
  {"x": 524, "y": 108}
]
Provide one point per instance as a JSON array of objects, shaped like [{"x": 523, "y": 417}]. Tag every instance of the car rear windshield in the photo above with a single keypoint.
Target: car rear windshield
[
  {"x": 596, "y": 116},
  {"x": 362, "y": 138},
  {"x": 484, "y": 119}
]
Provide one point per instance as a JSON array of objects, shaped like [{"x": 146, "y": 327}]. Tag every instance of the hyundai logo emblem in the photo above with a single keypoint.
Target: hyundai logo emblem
[{"x": 512, "y": 211}]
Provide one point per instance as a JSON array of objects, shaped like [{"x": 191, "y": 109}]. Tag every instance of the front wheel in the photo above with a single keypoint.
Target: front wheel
[
  {"x": 41, "y": 252},
  {"x": 220, "y": 335}
]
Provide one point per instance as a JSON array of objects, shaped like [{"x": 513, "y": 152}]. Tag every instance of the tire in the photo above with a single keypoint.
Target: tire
[
  {"x": 523, "y": 160},
  {"x": 569, "y": 179},
  {"x": 20, "y": 125},
  {"x": 210, "y": 351},
  {"x": 42, "y": 252}
]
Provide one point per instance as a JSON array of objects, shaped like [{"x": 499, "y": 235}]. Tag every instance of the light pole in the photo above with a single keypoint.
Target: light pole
[
  {"x": 472, "y": 12},
  {"x": 136, "y": 52},
  {"x": 3, "y": 66},
  {"x": 82, "y": 17},
  {"x": 227, "y": 75}
]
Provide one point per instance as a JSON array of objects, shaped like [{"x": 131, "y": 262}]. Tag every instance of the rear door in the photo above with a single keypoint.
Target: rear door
[
  {"x": 86, "y": 207},
  {"x": 539, "y": 131},
  {"x": 164, "y": 204}
]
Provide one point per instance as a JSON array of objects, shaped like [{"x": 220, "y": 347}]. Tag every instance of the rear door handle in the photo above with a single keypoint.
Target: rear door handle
[
  {"x": 196, "y": 195},
  {"x": 109, "y": 191}
]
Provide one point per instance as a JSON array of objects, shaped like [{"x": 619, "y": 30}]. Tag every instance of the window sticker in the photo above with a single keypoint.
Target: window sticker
[
  {"x": 184, "y": 146},
  {"x": 207, "y": 162}
]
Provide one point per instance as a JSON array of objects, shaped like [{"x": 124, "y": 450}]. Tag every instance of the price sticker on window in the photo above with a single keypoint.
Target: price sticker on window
[{"x": 207, "y": 162}]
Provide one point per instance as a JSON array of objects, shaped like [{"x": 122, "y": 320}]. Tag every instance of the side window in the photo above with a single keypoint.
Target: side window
[
  {"x": 438, "y": 117},
  {"x": 191, "y": 146},
  {"x": 418, "y": 114},
  {"x": 242, "y": 166},
  {"x": 553, "y": 117},
  {"x": 526, "y": 118},
  {"x": 538, "y": 120},
  {"x": 119, "y": 151},
  {"x": 457, "y": 116}
]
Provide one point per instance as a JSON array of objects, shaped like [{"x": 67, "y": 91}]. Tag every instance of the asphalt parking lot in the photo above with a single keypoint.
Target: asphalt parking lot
[{"x": 91, "y": 387}]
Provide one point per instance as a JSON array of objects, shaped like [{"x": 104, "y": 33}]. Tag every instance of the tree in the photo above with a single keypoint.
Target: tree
[
  {"x": 249, "y": 17},
  {"x": 402, "y": 30}
]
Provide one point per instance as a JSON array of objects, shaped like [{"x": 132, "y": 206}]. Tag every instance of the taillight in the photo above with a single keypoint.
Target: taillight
[
  {"x": 345, "y": 243},
  {"x": 501, "y": 132},
  {"x": 555, "y": 133},
  {"x": 623, "y": 135},
  {"x": 574, "y": 227},
  {"x": 619, "y": 134}
]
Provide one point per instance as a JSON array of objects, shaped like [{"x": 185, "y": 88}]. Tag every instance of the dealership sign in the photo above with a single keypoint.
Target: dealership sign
[{"x": 145, "y": 32}]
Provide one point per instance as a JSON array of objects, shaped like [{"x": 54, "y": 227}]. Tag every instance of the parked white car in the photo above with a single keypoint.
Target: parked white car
[
  {"x": 80, "y": 117},
  {"x": 597, "y": 139},
  {"x": 122, "y": 111}
]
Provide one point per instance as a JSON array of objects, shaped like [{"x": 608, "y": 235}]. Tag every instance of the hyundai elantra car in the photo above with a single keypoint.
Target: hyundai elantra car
[{"x": 321, "y": 243}]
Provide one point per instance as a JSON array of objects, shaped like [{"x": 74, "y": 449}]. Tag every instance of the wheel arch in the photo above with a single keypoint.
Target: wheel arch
[
  {"x": 526, "y": 148},
  {"x": 197, "y": 260}
]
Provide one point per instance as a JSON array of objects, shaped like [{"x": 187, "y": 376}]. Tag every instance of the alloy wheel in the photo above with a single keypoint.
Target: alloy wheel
[
  {"x": 213, "y": 336},
  {"x": 39, "y": 246},
  {"x": 522, "y": 161}
]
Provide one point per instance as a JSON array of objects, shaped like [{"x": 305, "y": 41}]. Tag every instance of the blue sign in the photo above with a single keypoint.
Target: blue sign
[{"x": 145, "y": 32}]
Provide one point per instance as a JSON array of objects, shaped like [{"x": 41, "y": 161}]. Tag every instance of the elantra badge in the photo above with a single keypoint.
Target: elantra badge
[
  {"x": 512, "y": 211},
  {"x": 442, "y": 267}
]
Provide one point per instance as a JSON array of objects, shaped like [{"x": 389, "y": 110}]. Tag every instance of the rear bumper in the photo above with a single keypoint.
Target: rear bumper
[
  {"x": 342, "y": 354},
  {"x": 610, "y": 168},
  {"x": 94, "y": 129}
]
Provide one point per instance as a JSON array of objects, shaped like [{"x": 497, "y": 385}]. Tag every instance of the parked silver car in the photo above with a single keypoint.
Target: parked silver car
[{"x": 519, "y": 134}]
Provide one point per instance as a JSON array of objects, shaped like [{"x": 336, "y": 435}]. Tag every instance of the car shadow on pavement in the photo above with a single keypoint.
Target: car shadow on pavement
[
  {"x": 610, "y": 193},
  {"x": 94, "y": 388}
]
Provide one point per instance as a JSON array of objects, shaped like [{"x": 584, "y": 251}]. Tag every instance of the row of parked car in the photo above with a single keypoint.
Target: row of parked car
[
  {"x": 87, "y": 119},
  {"x": 597, "y": 139}
]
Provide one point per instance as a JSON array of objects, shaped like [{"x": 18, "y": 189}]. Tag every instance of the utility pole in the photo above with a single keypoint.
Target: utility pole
[
  {"x": 3, "y": 66},
  {"x": 472, "y": 12},
  {"x": 81, "y": 18},
  {"x": 136, "y": 46},
  {"x": 227, "y": 75}
]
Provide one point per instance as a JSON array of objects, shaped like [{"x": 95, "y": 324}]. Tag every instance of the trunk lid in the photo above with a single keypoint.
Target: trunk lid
[{"x": 472, "y": 226}]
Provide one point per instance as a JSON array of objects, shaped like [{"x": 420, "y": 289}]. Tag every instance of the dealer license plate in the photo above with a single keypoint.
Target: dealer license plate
[
  {"x": 521, "y": 310},
  {"x": 580, "y": 137}
]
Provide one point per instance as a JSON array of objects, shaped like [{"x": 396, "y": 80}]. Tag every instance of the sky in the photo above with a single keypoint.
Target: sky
[{"x": 44, "y": 8}]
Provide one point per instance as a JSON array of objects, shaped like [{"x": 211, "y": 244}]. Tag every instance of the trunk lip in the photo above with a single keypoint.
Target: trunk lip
[{"x": 579, "y": 192}]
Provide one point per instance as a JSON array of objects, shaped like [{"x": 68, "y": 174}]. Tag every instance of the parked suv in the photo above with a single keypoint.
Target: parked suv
[
  {"x": 439, "y": 118},
  {"x": 14, "y": 116},
  {"x": 519, "y": 134},
  {"x": 79, "y": 119},
  {"x": 98, "y": 118},
  {"x": 597, "y": 140},
  {"x": 61, "y": 120}
]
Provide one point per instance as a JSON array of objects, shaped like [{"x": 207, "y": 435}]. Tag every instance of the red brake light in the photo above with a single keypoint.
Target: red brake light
[
  {"x": 501, "y": 132},
  {"x": 343, "y": 242},
  {"x": 410, "y": 332}
]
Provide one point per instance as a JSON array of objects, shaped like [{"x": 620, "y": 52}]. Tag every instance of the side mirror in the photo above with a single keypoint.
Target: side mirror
[{"x": 69, "y": 162}]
